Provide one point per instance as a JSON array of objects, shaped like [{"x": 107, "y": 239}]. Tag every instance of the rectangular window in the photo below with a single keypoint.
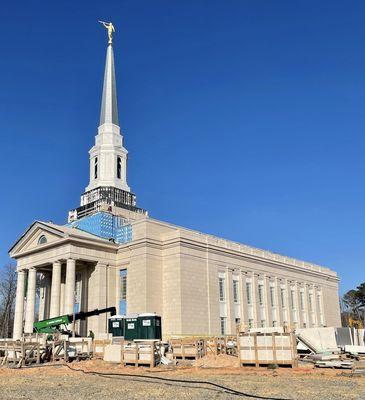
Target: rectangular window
[
  {"x": 238, "y": 321},
  {"x": 250, "y": 323},
  {"x": 261, "y": 295},
  {"x": 95, "y": 167},
  {"x": 310, "y": 300},
  {"x": 119, "y": 167},
  {"x": 223, "y": 325},
  {"x": 319, "y": 308},
  {"x": 282, "y": 297},
  {"x": 222, "y": 292},
  {"x": 272, "y": 296},
  {"x": 292, "y": 298},
  {"x": 302, "y": 301},
  {"x": 249, "y": 292},
  {"x": 274, "y": 324},
  {"x": 123, "y": 292},
  {"x": 263, "y": 323},
  {"x": 235, "y": 291}
]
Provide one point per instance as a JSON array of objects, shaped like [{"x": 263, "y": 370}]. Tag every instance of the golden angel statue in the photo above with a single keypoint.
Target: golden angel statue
[{"x": 110, "y": 27}]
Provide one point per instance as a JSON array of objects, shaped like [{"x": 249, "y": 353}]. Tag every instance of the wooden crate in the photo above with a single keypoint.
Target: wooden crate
[
  {"x": 19, "y": 353},
  {"x": 188, "y": 348},
  {"x": 99, "y": 347},
  {"x": 221, "y": 345},
  {"x": 140, "y": 353},
  {"x": 267, "y": 348}
]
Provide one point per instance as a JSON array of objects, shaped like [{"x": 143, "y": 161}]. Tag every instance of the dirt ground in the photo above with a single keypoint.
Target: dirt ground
[{"x": 283, "y": 383}]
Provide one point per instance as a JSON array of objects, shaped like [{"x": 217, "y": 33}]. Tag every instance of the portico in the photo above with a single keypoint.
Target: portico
[{"x": 53, "y": 262}]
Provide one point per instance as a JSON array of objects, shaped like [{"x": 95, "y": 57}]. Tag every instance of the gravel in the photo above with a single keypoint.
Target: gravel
[{"x": 61, "y": 382}]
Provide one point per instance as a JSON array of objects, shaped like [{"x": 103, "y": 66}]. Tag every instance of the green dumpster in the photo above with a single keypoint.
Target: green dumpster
[{"x": 149, "y": 326}]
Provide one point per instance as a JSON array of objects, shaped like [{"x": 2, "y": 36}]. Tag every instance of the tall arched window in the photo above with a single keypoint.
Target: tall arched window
[
  {"x": 96, "y": 168},
  {"x": 119, "y": 168}
]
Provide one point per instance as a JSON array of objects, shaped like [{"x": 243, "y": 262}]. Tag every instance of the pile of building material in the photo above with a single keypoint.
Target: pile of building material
[
  {"x": 318, "y": 340},
  {"x": 332, "y": 347},
  {"x": 350, "y": 337}
]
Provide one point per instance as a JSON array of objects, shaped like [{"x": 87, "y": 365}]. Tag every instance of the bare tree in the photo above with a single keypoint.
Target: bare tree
[{"x": 7, "y": 299}]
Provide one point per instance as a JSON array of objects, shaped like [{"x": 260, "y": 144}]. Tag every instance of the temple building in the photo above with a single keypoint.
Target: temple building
[{"x": 111, "y": 253}]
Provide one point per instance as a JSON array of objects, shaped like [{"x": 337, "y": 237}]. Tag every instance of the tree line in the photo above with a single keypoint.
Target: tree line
[
  {"x": 353, "y": 307},
  {"x": 7, "y": 300}
]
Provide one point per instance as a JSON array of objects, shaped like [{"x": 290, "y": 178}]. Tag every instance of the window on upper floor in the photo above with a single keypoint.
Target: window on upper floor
[
  {"x": 223, "y": 325},
  {"x": 292, "y": 298},
  {"x": 282, "y": 297},
  {"x": 302, "y": 301},
  {"x": 272, "y": 296},
  {"x": 42, "y": 239},
  {"x": 310, "y": 301},
  {"x": 119, "y": 167},
  {"x": 95, "y": 167},
  {"x": 249, "y": 292},
  {"x": 236, "y": 298},
  {"x": 222, "y": 292},
  {"x": 261, "y": 294}
]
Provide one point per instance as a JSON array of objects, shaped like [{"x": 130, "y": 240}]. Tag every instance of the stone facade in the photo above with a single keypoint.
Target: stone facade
[{"x": 199, "y": 284}]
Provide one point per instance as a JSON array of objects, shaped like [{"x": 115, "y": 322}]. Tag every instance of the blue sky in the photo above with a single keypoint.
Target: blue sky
[{"x": 243, "y": 119}]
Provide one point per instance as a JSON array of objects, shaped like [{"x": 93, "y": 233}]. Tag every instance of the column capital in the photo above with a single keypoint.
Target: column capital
[{"x": 21, "y": 271}]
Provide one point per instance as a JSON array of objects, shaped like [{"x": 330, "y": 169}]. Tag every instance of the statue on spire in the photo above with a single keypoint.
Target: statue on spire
[{"x": 110, "y": 27}]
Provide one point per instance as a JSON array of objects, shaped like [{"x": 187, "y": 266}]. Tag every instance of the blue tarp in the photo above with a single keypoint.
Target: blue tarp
[{"x": 105, "y": 225}]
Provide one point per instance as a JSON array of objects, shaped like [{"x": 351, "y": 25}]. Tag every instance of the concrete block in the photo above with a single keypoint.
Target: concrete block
[{"x": 355, "y": 349}]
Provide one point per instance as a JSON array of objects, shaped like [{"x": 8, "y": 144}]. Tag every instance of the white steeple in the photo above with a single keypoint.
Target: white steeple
[{"x": 108, "y": 158}]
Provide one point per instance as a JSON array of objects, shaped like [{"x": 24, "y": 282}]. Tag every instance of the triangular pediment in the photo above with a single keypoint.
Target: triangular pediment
[{"x": 38, "y": 235}]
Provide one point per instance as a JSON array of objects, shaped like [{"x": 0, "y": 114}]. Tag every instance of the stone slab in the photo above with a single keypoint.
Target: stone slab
[{"x": 113, "y": 353}]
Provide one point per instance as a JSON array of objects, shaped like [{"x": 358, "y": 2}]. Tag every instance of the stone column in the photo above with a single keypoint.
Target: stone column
[
  {"x": 30, "y": 308},
  {"x": 98, "y": 299},
  {"x": 69, "y": 302},
  {"x": 47, "y": 300},
  {"x": 19, "y": 306},
  {"x": 42, "y": 298},
  {"x": 55, "y": 290},
  {"x": 62, "y": 295}
]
